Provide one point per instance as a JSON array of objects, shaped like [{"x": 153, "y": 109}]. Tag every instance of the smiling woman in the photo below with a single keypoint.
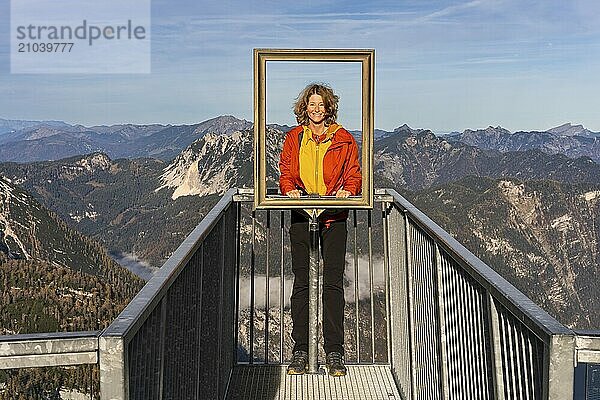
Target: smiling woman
[
  {"x": 313, "y": 101},
  {"x": 327, "y": 160}
]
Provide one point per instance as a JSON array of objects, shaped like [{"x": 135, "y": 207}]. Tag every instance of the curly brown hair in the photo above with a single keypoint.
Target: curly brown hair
[{"x": 330, "y": 100}]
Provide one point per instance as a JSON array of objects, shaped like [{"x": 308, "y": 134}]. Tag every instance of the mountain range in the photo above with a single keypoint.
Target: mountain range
[
  {"x": 26, "y": 141},
  {"x": 417, "y": 159},
  {"x": 570, "y": 140},
  {"x": 53, "y": 279},
  {"x": 528, "y": 213}
]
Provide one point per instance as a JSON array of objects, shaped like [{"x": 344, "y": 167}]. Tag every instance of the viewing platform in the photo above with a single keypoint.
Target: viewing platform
[{"x": 425, "y": 320}]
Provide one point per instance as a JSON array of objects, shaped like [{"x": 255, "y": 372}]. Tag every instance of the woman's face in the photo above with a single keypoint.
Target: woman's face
[{"x": 315, "y": 109}]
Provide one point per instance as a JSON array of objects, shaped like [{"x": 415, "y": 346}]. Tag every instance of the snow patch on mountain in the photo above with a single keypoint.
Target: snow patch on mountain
[
  {"x": 590, "y": 196},
  {"x": 562, "y": 223},
  {"x": 6, "y": 229}
]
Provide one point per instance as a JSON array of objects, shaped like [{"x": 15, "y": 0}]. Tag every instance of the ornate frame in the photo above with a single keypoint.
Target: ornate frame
[{"x": 367, "y": 59}]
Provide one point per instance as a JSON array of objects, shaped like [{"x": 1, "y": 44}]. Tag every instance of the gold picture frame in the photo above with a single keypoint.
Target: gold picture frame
[{"x": 366, "y": 57}]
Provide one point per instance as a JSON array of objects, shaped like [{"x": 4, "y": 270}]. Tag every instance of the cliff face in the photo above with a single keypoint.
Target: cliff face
[{"x": 217, "y": 162}]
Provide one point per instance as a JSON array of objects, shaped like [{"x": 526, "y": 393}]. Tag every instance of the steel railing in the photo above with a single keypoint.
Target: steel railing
[
  {"x": 450, "y": 327},
  {"x": 42, "y": 350},
  {"x": 469, "y": 333},
  {"x": 464, "y": 329},
  {"x": 267, "y": 289},
  {"x": 175, "y": 338}
]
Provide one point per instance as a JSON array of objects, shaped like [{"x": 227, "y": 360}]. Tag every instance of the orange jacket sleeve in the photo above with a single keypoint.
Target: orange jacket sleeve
[
  {"x": 286, "y": 180},
  {"x": 352, "y": 176}
]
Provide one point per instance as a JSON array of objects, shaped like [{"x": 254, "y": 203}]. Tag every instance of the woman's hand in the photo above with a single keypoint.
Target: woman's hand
[
  {"x": 294, "y": 194},
  {"x": 343, "y": 193}
]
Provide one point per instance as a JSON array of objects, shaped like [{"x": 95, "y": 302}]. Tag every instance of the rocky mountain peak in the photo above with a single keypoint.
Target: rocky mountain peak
[
  {"x": 89, "y": 165},
  {"x": 94, "y": 161},
  {"x": 207, "y": 166},
  {"x": 218, "y": 161},
  {"x": 569, "y": 129},
  {"x": 497, "y": 129},
  {"x": 404, "y": 129},
  {"x": 490, "y": 131},
  {"x": 224, "y": 125}
]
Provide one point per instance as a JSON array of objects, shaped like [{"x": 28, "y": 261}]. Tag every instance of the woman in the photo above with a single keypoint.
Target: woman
[{"x": 319, "y": 157}]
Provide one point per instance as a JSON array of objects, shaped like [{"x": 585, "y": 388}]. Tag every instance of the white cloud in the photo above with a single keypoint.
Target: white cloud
[{"x": 275, "y": 283}]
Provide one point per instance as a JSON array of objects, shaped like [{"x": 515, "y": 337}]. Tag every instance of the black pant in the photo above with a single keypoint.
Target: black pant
[{"x": 333, "y": 250}]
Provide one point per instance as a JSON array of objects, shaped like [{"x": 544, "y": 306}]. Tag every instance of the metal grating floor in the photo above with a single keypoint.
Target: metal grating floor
[{"x": 270, "y": 382}]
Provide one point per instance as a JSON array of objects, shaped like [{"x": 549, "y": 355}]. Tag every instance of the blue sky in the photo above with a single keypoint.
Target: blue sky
[{"x": 440, "y": 65}]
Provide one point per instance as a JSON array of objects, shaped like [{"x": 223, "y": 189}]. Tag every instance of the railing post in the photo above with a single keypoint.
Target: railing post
[
  {"x": 236, "y": 317},
  {"x": 163, "y": 331},
  {"x": 356, "y": 287},
  {"x": 498, "y": 376},
  {"x": 398, "y": 312},
  {"x": 199, "y": 337},
  {"x": 281, "y": 287},
  {"x": 386, "y": 273},
  {"x": 561, "y": 367},
  {"x": 252, "y": 273},
  {"x": 411, "y": 305},
  {"x": 221, "y": 306},
  {"x": 442, "y": 322},
  {"x": 267, "y": 273},
  {"x": 113, "y": 369},
  {"x": 371, "y": 294},
  {"x": 313, "y": 297}
]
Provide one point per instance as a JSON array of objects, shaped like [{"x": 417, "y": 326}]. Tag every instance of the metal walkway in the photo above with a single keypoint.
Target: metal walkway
[{"x": 270, "y": 382}]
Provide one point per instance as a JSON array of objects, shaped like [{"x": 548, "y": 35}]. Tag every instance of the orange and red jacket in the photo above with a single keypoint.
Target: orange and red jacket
[{"x": 340, "y": 163}]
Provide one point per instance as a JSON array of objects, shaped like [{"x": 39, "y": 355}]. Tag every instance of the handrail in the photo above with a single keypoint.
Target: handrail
[
  {"x": 587, "y": 347},
  {"x": 523, "y": 307},
  {"x": 152, "y": 340},
  {"x": 48, "y": 349},
  {"x": 492, "y": 326},
  {"x": 134, "y": 314},
  {"x": 28, "y": 337}
]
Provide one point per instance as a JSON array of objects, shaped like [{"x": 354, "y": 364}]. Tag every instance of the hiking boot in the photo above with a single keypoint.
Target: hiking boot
[
  {"x": 335, "y": 364},
  {"x": 298, "y": 364}
]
